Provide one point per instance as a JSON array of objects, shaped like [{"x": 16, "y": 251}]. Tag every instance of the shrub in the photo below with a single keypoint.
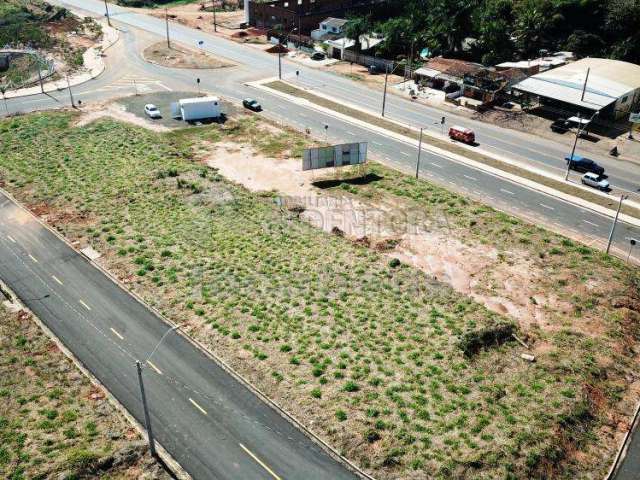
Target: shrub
[
  {"x": 80, "y": 459},
  {"x": 351, "y": 386}
]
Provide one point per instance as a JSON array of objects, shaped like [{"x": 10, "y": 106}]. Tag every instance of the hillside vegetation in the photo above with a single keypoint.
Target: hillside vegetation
[
  {"x": 23, "y": 22},
  {"x": 504, "y": 30}
]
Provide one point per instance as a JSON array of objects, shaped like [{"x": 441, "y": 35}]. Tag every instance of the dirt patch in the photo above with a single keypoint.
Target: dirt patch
[
  {"x": 179, "y": 56},
  {"x": 114, "y": 110}
]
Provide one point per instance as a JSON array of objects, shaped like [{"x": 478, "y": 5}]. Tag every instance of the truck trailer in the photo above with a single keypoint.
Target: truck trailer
[{"x": 192, "y": 109}]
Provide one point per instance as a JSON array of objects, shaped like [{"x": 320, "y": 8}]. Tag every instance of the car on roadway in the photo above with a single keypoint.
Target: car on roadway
[
  {"x": 462, "y": 134},
  {"x": 596, "y": 181},
  {"x": 152, "y": 111},
  {"x": 584, "y": 165},
  {"x": 560, "y": 126},
  {"x": 318, "y": 56},
  {"x": 252, "y": 104}
]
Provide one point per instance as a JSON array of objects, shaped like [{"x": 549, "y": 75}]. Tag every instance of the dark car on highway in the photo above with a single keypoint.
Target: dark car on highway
[
  {"x": 584, "y": 165},
  {"x": 560, "y": 126},
  {"x": 252, "y": 104}
]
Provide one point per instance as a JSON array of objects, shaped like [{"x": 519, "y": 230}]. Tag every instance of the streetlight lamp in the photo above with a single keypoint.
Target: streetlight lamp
[
  {"x": 106, "y": 9},
  {"x": 286, "y": 40},
  {"x": 615, "y": 221},
  {"x": 575, "y": 143},
  {"x": 147, "y": 417}
]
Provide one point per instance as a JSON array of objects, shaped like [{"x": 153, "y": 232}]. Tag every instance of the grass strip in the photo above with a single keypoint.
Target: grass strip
[{"x": 453, "y": 148}]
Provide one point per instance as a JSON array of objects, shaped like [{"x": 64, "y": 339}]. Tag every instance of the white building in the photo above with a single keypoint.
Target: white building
[
  {"x": 611, "y": 87},
  {"x": 329, "y": 28}
]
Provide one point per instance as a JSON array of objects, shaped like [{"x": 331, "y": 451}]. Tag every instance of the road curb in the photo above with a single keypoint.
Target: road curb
[
  {"x": 165, "y": 456},
  {"x": 624, "y": 446},
  {"x": 203, "y": 349}
]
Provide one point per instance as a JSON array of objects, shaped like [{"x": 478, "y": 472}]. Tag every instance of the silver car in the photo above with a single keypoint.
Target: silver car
[
  {"x": 152, "y": 111},
  {"x": 592, "y": 180}
]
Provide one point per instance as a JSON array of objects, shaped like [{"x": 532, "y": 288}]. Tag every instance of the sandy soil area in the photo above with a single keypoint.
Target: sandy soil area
[
  {"x": 179, "y": 56},
  {"x": 511, "y": 288}
]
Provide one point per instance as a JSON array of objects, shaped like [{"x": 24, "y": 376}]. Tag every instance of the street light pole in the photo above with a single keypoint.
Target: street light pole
[
  {"x": 286, "y": 41},
  {"x": 106, "y": 9},
  {"x": 575, "y": 143},
  {"x": 147, "y": 418},
  {"x": 70, "y": 94},
  {"x": 166, "y": 20},
  {"x": 40, "y": 77},
  {"x": 419, "y": 153},
  {"x": 384, "y": 95},
  {"x": 615, "y": 221},
  {"x": 215, "y": 24}
]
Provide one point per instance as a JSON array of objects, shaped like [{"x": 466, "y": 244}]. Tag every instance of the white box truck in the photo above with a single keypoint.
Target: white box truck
[{"x": 201, "y": 108}]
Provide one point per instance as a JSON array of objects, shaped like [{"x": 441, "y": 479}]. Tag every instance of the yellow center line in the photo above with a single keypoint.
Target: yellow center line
[
  {"x": 198, "y": 406},
  {"x": 85, "y": 305},
  {"x": 11, "y": 238},
  {"x": 154, "y": 367},
  {"x": 35, "y": 260},
  {"x": 117, "y": 334},
  {"x": 260, "y": 462},
  {"x": 57, "y": 279}
]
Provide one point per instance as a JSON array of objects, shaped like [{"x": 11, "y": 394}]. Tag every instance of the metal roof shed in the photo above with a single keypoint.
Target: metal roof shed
[{"x": 593, "y": 84}]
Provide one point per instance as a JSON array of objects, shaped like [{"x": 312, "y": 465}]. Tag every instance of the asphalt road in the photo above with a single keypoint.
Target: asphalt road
[{"x": 212, "y": 425}]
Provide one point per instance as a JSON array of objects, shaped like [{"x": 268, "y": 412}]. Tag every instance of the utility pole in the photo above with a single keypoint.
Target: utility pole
[
  {"x": 215, "y": 24},
  {"x": 106, "y": 9},
  {"x": 147, "y": 419},
  {"x": 384, "y": 95},
  {"x": 40, "y": 77},
  {"x": 573, "y": 150},
  {"x": 419, "y": 153},
  {"x": 575, "y": 143},
  {"x": 4, "y": 99},
  {"x": 70, "y": 94},
  {"x": 615, "y": 220},
  {"x": 584, "y": 87},
  {"x": 166, "y": 19}
]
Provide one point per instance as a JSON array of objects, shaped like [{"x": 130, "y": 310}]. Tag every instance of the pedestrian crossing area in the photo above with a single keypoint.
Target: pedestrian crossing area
[{"x": 136, "y": 84}]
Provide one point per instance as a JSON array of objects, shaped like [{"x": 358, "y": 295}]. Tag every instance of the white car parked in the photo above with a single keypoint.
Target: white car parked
[
  {"x": 595, "y": 181},
  {"x": 152, "y": 111}
]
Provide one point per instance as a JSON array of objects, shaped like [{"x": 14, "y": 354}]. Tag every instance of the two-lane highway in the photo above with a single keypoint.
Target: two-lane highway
[{"x": 213, "y": 425}]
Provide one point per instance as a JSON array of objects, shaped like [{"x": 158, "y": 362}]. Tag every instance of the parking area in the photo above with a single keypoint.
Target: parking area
[{"x": 163, "y": 100}]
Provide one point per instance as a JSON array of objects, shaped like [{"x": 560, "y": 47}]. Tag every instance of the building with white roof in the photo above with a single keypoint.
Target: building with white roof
[{"x": 610, "y": 87}]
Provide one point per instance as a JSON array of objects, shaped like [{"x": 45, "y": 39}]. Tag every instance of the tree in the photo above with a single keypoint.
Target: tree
[
  {"x": 357, "y": 27},
  {"x": 584, "y": 44},
  {"x": 622, "y": 23},
  {"x": 532, "y": 19},
  {"x": 495, "y": 22}
]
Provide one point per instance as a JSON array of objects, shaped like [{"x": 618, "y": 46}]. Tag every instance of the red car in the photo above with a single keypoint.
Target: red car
[{"x": 462, "y": 134}]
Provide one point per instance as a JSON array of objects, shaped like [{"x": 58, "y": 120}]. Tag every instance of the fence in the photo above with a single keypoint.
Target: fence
[
  {"x": 29, "y": 76},
  {"x": 368, "y": 60}
]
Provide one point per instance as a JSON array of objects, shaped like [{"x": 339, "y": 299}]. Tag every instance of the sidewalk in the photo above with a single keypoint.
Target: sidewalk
[{"x": 93, "y": 66}]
